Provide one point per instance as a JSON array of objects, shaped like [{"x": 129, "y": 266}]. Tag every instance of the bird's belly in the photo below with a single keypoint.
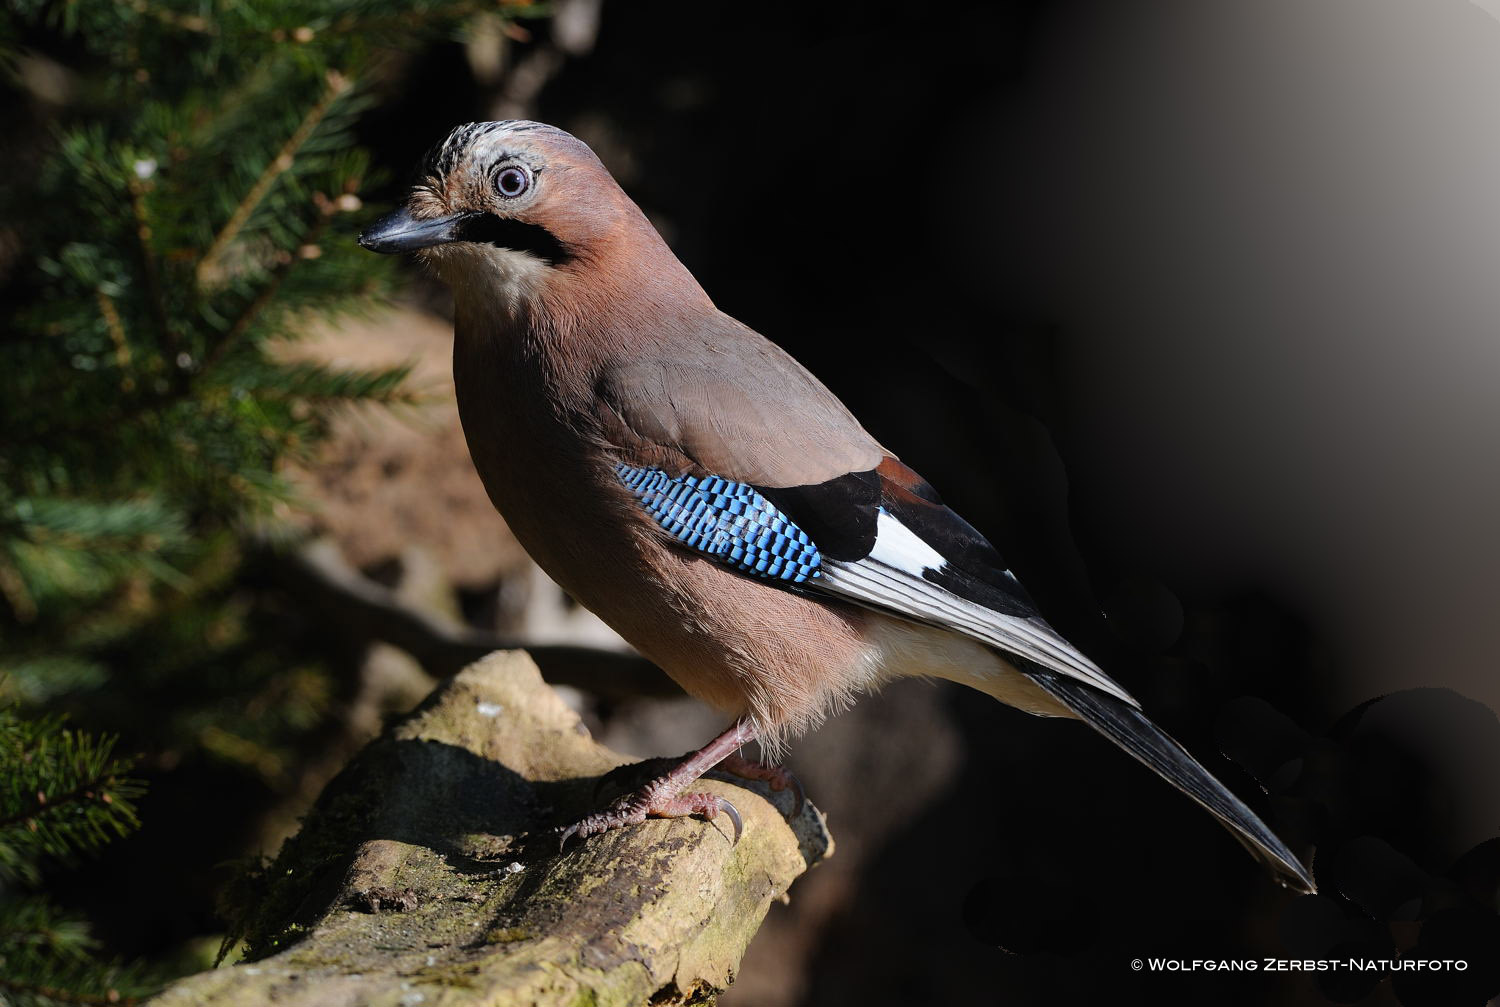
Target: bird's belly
[{"x": 739, "y": 644}]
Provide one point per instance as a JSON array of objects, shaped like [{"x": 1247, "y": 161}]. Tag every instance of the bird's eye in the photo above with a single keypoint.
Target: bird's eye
[{"x": 511, "y": 182}]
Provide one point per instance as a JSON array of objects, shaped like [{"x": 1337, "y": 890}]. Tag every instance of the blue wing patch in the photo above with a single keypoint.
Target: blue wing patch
[{"x": 727, "y": 520}]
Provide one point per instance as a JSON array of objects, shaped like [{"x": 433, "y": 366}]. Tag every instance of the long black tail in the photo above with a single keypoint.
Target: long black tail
[{"x": 1131, "y": 730}]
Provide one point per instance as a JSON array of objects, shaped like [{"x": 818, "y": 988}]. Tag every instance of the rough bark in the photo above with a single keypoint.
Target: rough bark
[{"x": 426, "y": 873}]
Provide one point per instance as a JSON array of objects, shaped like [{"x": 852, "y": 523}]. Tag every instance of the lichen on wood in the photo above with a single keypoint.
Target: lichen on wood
[{"x": 427, "y": 874}]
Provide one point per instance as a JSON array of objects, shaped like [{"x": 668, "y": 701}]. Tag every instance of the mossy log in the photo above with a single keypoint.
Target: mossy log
[{"x": 427, "y": 874}]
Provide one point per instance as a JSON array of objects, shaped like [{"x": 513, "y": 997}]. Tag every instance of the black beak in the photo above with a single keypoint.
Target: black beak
[{"x": 401, "y": 232}]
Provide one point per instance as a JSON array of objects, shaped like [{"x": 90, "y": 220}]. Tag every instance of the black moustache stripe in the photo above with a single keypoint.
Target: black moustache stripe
[{"x": 516, "y": 235}]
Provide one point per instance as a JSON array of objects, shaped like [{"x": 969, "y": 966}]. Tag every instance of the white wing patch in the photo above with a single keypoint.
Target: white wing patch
[
  {"x": 890, "y": 579},
  {"x": 898, "y": 546}
]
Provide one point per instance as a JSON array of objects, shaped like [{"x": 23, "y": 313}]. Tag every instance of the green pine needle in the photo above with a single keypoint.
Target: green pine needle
[{"x": 62, "y": 792}]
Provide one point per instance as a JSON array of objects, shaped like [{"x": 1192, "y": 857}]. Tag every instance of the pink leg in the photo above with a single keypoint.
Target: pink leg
[
  {"x": 663, "y": 796},
  {"x": 779, "y": 777}
]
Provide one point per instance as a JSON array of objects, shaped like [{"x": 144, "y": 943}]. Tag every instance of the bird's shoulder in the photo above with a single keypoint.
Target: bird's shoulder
[{"x": 717, "y": 398}]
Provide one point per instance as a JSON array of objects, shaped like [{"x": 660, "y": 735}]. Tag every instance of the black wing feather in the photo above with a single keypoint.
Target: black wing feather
[
  {"x": 944, "y": 572},
  {"x": 840, "y": 515}
]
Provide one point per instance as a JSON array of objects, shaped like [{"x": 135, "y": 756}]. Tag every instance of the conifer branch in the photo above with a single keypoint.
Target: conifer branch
[
  {"x": 208, "y": 267},
  {"x": 113, "y": 998},
  {"x": 13, "y": 590},
  {"x": 94, "y": 789},
  {"x": 127, "y": 469},
  {"x": 117, "y": 336},
  {"x": 268, "y": 292},
  {"x": 148, "y": 266},
  {"x": 172, "y": 19}
]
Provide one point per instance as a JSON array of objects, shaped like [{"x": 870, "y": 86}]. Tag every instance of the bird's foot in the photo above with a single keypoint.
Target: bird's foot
[
  {"x": 655, "y": 800},
  {"x": 779, "y": 777},
  {"x": 664, "y": 796}
]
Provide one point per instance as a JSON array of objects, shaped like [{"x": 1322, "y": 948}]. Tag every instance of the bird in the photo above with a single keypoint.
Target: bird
[{"x": 711, "y": 500}]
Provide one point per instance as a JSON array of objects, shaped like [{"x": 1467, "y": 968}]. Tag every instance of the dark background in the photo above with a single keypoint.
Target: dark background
[{"x": 1190, "y": 308}]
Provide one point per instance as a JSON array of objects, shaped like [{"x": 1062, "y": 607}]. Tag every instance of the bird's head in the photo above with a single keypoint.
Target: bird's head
[{"x": 513, "y": 198}]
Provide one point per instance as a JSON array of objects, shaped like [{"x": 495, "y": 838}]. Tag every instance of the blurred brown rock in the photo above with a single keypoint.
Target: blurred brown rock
[{"x": 390, "y": 478}]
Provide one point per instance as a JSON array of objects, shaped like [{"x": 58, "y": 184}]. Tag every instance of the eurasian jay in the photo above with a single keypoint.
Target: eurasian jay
[{"x": 710, "y": 499}]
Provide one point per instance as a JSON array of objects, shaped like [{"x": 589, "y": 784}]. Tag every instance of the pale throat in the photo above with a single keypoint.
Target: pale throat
[{"x": 489, "y": 282}]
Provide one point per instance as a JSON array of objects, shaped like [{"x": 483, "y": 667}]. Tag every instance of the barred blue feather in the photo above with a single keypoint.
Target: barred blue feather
[{"x": 727, "y": 520}]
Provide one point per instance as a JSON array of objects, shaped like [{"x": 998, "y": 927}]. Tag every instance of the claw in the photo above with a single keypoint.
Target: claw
[
  {"x": 656, "y": 798},
  {"x": 734, "y": 816}
]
